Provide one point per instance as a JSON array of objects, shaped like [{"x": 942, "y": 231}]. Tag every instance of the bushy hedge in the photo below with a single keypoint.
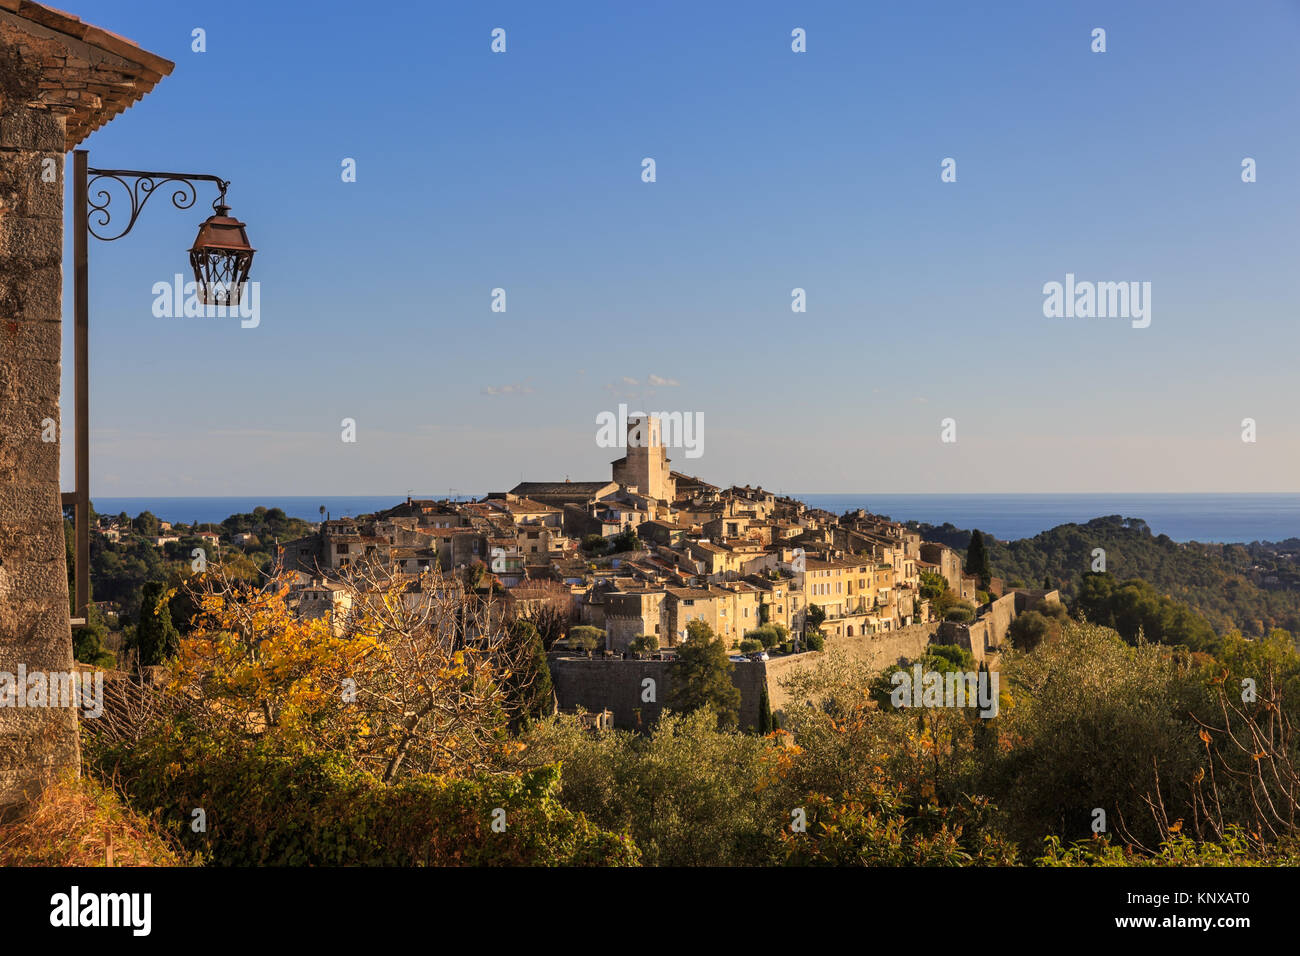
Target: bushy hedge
[
  {"x": 768, "y": 635},
  {"x": 269, "y": 805},
  {"x": 586, "y": 637}
]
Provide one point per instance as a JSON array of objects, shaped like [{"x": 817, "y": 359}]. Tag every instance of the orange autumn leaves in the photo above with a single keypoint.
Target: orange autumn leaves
[{"x": 252, "y": 661}]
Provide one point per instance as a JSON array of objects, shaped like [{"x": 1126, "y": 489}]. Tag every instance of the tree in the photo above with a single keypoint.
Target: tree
[
  {"x": 1134, "y": 606},
  {"x": 88, "y": 641},
  {"x": 764, "y": 712},
  {"x": 645, "y": 644},
  {"x": 815, "y": 617},
  {"x": 594, "y": 544},
  {"x": 767, "y": 636},
  {"x": 145, "y": 524},
  {"x": 156, "y": 639},
  {"x": 410, "y": 681},
  {"x": 586, "y": 638},
  {"x": 475, "y": 576},
  {"x": 625, "y": 541},
  {"x": 1030, "y": 629},
  {"x": 702, "y": 676},
  {"x": 528, "y": 685},
  {"x": 977, "y": 559},
  {"x": 932, "y": 585},
  {"x": 551, "y": 622}
]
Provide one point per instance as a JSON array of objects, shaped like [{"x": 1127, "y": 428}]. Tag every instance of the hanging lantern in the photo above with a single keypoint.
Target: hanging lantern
[{"x": 221, "y": 256}]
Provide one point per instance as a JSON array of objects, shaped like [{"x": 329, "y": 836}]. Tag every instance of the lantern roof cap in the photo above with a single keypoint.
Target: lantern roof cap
[{"x": 96, "y": 73}]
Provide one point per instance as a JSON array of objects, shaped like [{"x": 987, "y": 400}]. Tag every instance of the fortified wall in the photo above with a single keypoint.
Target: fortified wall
[
  {"x": 986, "y": 637},
  {"x": 620, "y": 686},
  {"x": 876, "y": 651}
]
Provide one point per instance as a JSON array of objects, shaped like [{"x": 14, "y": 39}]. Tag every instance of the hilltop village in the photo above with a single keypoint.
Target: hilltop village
[{"x": 647, "y": 551}]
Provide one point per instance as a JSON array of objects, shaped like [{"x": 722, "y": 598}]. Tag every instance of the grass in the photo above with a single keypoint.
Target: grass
[{"x": 79, "y": 822}]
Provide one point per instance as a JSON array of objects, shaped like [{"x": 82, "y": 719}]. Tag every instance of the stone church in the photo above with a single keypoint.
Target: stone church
[{"x": 646, "y": 464}]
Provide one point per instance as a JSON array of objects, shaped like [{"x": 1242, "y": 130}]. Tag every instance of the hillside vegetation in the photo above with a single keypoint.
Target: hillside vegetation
[{"x": 1211, "y": 579}]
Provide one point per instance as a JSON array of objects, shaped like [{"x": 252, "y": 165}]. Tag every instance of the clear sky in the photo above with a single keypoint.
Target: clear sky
[{"x": 775, "y": 170}]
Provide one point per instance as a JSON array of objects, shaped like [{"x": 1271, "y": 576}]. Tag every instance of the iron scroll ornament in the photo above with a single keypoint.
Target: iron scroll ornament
[{"x": 139, "y": 187}]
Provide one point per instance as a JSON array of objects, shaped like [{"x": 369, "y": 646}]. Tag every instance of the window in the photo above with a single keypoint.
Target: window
[{"x": 341, "y": 548}]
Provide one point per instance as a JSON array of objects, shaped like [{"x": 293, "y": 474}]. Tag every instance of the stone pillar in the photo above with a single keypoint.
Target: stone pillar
[{"x": 36, "y": 743}]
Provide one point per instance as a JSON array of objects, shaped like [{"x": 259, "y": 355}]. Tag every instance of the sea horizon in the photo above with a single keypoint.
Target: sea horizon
[{"x": 1185, "y": 516}]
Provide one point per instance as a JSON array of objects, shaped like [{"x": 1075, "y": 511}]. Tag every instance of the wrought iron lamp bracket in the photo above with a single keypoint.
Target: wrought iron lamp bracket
[{"x": 139, "y": 186}]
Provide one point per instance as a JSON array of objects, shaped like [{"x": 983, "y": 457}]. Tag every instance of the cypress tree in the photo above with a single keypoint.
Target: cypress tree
[
  {"x": 529, "y": 685},
  {"x": 977, "y": 559},
  {"x": 156, "y": 638}
]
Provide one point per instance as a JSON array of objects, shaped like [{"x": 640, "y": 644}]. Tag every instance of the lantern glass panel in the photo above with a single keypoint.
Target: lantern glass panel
[{"x": 221, "y": 258}]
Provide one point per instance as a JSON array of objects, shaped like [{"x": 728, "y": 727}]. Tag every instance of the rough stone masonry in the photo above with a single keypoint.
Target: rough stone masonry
[
  {"x": 34, "y": 742},
  {"x": 60, "y": 79}
]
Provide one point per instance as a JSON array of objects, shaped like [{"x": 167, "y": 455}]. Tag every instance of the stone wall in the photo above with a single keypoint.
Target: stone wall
[
  {"x": 618, "y": 685},
  {"x": 35, "y": 742},
  {"x": 986, "y": 636},
  {"x": 874, "y": 650}
]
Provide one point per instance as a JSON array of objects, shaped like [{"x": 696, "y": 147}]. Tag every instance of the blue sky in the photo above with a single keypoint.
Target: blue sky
[{"x": 775, "y": 170}]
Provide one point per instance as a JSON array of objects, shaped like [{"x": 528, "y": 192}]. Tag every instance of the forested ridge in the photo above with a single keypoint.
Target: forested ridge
[{"x": 1216, "y": 581}]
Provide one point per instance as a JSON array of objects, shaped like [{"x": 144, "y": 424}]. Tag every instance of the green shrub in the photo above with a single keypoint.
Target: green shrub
[
  {"x": 768, "y": 635},
  {"x": 645, "y": 644},
  {"x": 586, "y": 638},
  {"x": 687, "y": 793},
  {"x": 268, "y": 805}
]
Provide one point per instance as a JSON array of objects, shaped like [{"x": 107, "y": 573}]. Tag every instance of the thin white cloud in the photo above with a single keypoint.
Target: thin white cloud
[{"x": 506, "y": 390}]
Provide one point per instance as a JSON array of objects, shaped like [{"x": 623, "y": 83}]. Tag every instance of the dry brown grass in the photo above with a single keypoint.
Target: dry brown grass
[{"x": 78, "y": 822}]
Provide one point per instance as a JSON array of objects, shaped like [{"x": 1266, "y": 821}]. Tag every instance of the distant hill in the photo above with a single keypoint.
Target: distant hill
[{"x": 1215, "y": 580}]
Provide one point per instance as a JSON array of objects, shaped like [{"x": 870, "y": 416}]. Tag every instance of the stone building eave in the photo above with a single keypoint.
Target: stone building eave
[{"x": 85, "y": 73}]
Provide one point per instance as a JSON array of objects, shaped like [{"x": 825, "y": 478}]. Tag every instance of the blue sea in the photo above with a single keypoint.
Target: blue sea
[{"x": 1184, "y": 517}]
